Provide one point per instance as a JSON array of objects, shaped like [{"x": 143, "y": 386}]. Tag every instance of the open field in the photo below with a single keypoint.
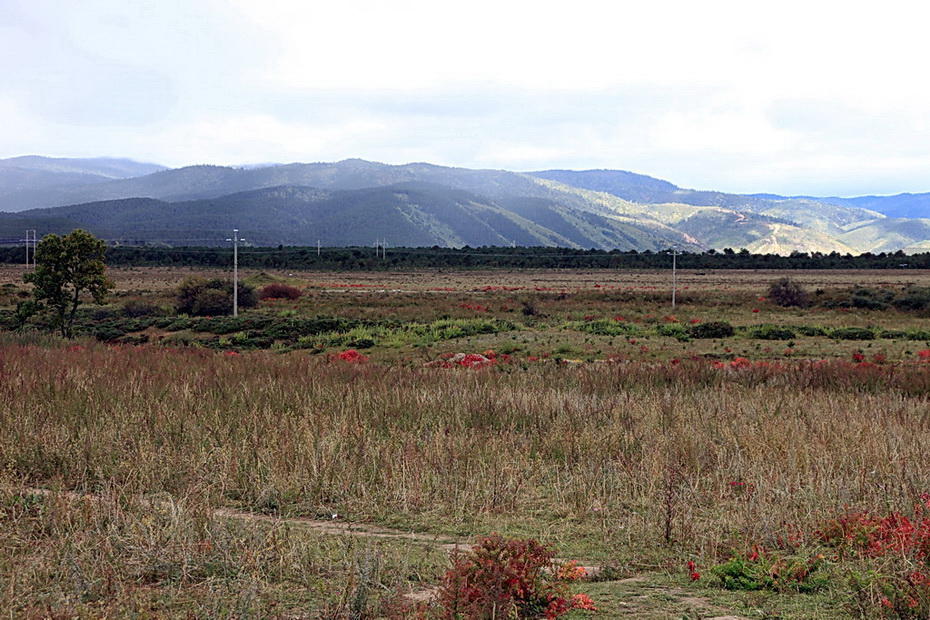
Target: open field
[
  {"x": 600, "y": 424},
  {"x": 161, "y": 278}
]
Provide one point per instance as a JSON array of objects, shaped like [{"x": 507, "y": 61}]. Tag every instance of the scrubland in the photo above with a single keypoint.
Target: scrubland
[{"x": 189, "y": 477}]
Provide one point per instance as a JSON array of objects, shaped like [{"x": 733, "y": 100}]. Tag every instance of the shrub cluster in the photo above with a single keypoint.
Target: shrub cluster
[
  {"x": 915, "y": 298},
  {"x": 136, "y": 308},
  {"x": 786, "y": 292},
  {"x": 202, "y": 297},
  {"x": 712, "y": 329},
  {"x": 910, "y": 299}
]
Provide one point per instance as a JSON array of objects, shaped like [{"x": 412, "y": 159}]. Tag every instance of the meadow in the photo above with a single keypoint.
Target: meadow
[{"x": 238, "y": 469}]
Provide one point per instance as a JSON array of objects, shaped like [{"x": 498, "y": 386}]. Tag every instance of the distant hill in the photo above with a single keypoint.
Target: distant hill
[
  {"x": 899, "y": 206},
  {"x": 889, "y": 235},
  {"x": 450, "y": 207},
  {"x": 645, "y": 189},
  {"x": 105, "y": 167},
  {"x": 195, "y": 182},
  {"x": 408, "y": 214},
  {"x": 787, "y": 224},
  {"x": 914, "y": 206},
  {"x": 31, "y": 180}
]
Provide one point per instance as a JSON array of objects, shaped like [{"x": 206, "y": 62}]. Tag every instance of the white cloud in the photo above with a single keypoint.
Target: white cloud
[{"x": 793, "y": 97}]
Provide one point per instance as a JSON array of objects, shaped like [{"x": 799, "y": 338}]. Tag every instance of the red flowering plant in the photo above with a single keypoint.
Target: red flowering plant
[
  {"x": 475, "y": 307},
  {"x": 886, "y": 556},
  {"x": 876, "y": 536},
  {"x": 510, "y": 578},
  {"x": 350, "y": 356},
  {"x": 896, "y": 547}
]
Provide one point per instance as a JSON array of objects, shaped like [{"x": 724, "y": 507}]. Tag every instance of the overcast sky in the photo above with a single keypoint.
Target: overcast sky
[{"x": 810, "y": 97}]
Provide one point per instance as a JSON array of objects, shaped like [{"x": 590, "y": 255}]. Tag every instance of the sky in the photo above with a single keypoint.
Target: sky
[{"x": 794, "y": 98}]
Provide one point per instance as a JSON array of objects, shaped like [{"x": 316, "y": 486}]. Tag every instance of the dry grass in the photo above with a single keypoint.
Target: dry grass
[
  {"x": 611, "y": 462},
  {"x": 634, "y": 464},
  {"x": 162, "y": 278}
]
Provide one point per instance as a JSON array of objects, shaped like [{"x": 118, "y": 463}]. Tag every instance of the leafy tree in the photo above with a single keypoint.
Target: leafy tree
[{"x": 68, "y": 267}]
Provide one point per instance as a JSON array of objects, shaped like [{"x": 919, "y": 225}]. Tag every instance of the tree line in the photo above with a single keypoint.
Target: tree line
[{"x": 489, "y": 257}]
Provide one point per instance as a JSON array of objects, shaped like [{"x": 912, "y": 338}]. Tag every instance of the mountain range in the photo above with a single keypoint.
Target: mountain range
[{"x": 356, "y": 202}]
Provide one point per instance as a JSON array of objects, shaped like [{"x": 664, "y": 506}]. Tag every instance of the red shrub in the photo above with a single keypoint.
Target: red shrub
[
  {"x": 280, "y": 291},
  {"x": 509, "y": 579}
]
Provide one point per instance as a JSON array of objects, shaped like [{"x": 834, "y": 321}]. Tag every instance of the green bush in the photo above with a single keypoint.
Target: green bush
[
  {"x": 773, "y": 570},
  {"x": 175, "y": 324},
  {"x": 212, "y": 301},
  {"x": 852, "y": 333},
  {"x": 108, "y": 333},
  {"x": 918, "y": 334},
  {"x": 866, "y": 298},
  {"x": 712, "y": 329},
  {"x": 25, "y": 310},
  {"x": 892, "y": 334},
  {"x": 601, "y": 327},
  {"x": 136, "y": 308},
  {"x": 292, "y": 329},
  {"x": 221, "y": 325},
  {"x": 674, "y": 330},
  {"x": 914, "y": 299},
  {"x": 810, "y": 330},
  {"x": 771, "y": 332},
  {"x": 139, "y": 339}
]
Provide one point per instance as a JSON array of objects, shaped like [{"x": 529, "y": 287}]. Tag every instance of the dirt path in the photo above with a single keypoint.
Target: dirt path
[{"x": 638, "y": 596}]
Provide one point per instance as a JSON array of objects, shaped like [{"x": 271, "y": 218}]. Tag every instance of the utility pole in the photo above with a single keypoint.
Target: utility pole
[
  {"x": 235, "y": 239},
  {"x": 30, "y": 238},
  {"x": 317, "y": 247}
]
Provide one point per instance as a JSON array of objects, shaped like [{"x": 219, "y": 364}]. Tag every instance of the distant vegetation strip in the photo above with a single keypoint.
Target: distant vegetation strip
[{"x": 371, "y": 259}]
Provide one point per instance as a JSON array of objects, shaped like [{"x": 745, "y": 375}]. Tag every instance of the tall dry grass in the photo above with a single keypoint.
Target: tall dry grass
[{"x": 605, "y": 460}]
